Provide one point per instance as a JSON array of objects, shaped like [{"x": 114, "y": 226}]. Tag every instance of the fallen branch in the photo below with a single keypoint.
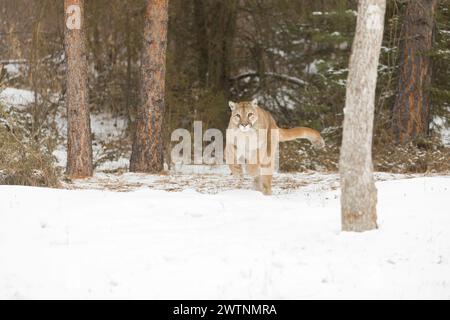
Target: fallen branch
[
  {"x": 279, "y": 76},
  {"x": 13, "y": 61}
]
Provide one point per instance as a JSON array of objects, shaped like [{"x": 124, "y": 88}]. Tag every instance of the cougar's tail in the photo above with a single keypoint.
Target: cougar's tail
[{"x": 304, "y": 133}]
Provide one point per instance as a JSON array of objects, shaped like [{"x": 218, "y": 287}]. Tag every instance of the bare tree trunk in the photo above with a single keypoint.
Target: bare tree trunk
[
  {"x": 412, "y": 105},
  {"x": 359, "y": 195},
  {"x": 147, "y": 152},
  {"x": 79, "y": 145},
  {"x": 202, "y": 39},
  {"x": 128, "y": 48},
  {"x": 221, "y": 32}
]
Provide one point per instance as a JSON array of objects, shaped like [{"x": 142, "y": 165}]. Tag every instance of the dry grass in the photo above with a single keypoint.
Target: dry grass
[
  {"x": 24, "y": 161},
  {"x": 424, "y": 155}
]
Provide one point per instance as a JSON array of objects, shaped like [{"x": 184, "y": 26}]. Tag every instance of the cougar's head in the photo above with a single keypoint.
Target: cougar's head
[{"x": 244, "y": 114}]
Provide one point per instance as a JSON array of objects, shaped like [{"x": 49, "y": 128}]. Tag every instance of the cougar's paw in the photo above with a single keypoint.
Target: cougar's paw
[
  {"x": 266, "y": 184},
  {"x": 267, "y": 191},
  {"x": 257, "y": 184},
  {"x": 236, "y": 171},
  {"x": 237, "y": 174}
]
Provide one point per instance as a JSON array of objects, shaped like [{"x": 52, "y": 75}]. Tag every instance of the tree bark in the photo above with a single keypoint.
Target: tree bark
[
  {"x": 202, "y": 40},
  {"x": 79, "y": 145},
  {"x": 147, "y": 151},
  {"x": 221, "y": 32},
  {"x": 359, "y": 195},
  {"x": 411, "y": 113}
]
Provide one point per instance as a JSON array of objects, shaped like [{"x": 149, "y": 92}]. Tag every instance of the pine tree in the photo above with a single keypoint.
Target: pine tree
[
  {"x": 147, "y": 152},
  {"x": 79, "y": 145},
  {"x": 412, "y": 105}
]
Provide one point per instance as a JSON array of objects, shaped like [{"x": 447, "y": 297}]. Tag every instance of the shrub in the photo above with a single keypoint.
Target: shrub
[{"x": 24, "y": 160}]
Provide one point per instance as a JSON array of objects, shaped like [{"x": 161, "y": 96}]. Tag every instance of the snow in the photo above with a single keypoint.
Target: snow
[
  {"x": 313, "y": 67},
  {"x": 320, "y": 13},
  {"x": 13, "y": 69},
  {"x": 105, "y": 128},
  {"x": 443, "y": 52},
  {"x": 227, "y": 243},
  {"x": 103, "y": 125},
  {"x": 18, "y": 98},
  {"x": 112, "y": 165},
  {"x": 281, "y": 76},
  {"x": 343, "y": 45},
  {"x": 442, "y": 125},
  {"x": 60, "y": 153},
  {"x": 445, "y": 133}
]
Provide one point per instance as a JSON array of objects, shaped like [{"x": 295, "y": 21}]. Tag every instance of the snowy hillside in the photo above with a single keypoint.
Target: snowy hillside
[{"x": 232, "y": 244}]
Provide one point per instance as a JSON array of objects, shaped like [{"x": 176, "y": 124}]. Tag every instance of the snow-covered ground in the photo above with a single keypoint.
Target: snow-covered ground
[
  {"x": 18, "y": 98},
  {"x": 105, "y": 129},
  {"x": 234, "y": 243},
  {"x": 197, "y": 232},
  {"x": 443, "y": 126}
]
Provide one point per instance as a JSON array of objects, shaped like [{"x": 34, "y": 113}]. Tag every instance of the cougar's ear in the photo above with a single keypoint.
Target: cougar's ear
[
  {"x": 254, "y": 103},
  {"x": 232, "y": 105}
]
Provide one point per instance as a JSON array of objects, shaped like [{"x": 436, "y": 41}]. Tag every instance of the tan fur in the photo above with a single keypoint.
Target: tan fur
[
  {"x": 247, "y": 117},
  {"x": 302, "y": 132}
]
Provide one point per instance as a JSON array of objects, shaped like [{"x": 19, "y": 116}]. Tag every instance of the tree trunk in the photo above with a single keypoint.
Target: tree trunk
[
  {"x": 221, "y": 32},
  {"x": 147, "y": 152},
  {"x": 359, "y": 195},
  {"x": 411, "y": 114},
  {"x": 79, "y": 146},
  {"x": 202, "y": 40}
]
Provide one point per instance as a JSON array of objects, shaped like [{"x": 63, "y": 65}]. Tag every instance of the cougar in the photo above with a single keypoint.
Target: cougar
[{"x": 247, "y": 122}]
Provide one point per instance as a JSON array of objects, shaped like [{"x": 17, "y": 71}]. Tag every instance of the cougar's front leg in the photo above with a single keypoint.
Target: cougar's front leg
[
  {"x": 266, "y": 183},
  {"x": 231, "y": 160},
  {"x": 253, "y": 170},
  {"x": 236, "y": 170},
  {"x": 267, "y": 161}
]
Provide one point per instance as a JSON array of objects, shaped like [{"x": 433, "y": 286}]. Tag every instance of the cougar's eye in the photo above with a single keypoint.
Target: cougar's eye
[
  {"x": 237, "y": 115},
  {"x": 250, "y": 114}
]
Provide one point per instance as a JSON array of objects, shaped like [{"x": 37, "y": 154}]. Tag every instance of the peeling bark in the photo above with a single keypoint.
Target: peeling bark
[
  {"x": 147, "y": 152},
  {"x": 359, "y": 195},
  {"x": 79, "y": 145}
]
